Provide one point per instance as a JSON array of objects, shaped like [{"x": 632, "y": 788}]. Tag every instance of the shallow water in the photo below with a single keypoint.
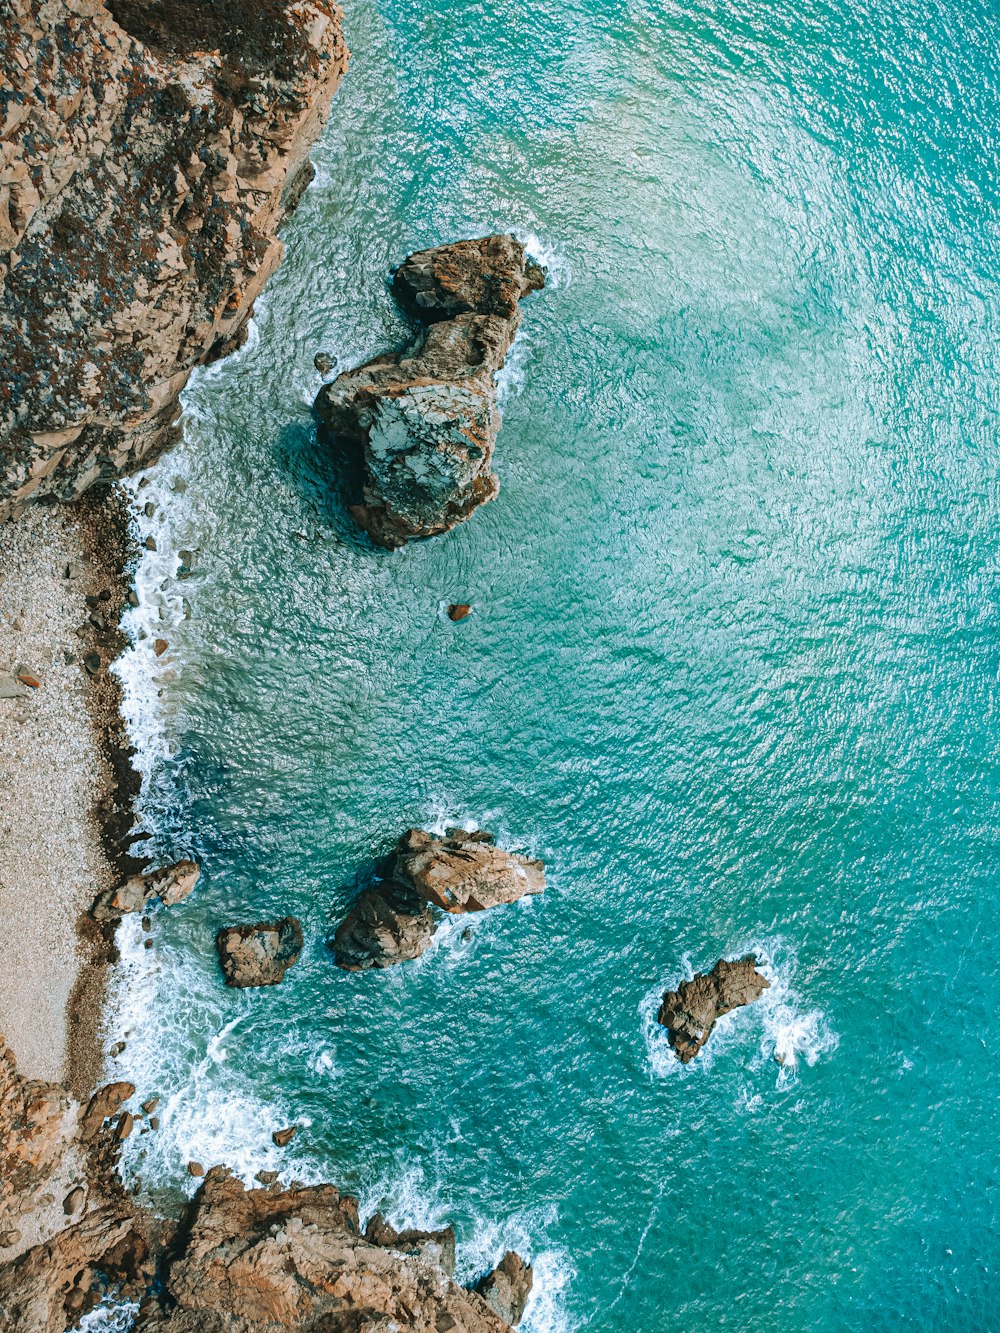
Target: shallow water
[{"x": 731, "y": 672}]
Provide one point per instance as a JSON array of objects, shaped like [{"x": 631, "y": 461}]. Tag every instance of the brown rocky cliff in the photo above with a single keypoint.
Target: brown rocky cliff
[{"x": 149, "y": 153}]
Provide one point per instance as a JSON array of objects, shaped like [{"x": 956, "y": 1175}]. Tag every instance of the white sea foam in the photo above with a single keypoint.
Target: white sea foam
[
  {"x": 786, "y": 1031},
  {"x": 555, "y": 261},
  {"x": 110, "y": 1316}
]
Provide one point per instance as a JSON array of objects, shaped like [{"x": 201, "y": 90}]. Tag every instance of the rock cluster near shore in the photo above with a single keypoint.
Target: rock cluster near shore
[
  {"x": 393, "y": 920},
  {"x": 425, "y": 420},
  {"x": 169, "y": 885},
  {"x": 244, "y": 1261},
  {"x": 689, "y": 1013},
  {"x": 151, "y": 152},
  {"x": 259, "y": 954}
]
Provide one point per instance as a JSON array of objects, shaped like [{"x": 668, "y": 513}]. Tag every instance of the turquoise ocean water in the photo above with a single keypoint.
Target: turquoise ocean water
[{"x": 732, "y": 672}]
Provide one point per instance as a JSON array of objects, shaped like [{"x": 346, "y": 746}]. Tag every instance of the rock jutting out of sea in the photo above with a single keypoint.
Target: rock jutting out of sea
[
  {"x": 690, "y": 1012},
  {"x": 507, "y": 1288},
  {"x": 261, "y": 954},
  {"x": 169, "y": 885},
  {"x": 393, "y": 920},
  {"x": 152, "y": 152},
  {"x": 425, "y": 420}
]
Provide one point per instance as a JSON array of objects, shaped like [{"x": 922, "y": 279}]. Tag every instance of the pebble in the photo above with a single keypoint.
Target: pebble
[
  {"x": 149, "y": 509},
  {"x": 93, "y": 663},
  {"x": 116, "y": 1050},
  {"x": 323, "y": 362},
  {"x": 150, "y": 543},
  {"x": 160, "y": 647}
]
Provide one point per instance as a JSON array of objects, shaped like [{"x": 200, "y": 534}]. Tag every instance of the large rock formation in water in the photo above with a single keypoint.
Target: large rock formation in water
[
  {"x": 149, "y": 152},
  {"x": 425, "y": 419},
  {"x": 393, "y": 920},
  {"x": 689, "y": 1013},
  {"x": 238, "y": 1261}
]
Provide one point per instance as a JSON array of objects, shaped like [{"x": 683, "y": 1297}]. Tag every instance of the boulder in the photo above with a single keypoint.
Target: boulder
[
  {"x": 464, "y": 872},
  {"x": 104, "y": 1103},
  {"x": 261, "y": 954},
  {"x": 507, "y": 1288},
  {"x": 387, "y": 924},
  {"x": 393, "y": 919},
  {"x": 689, "y": 1013},
  {"x": 437, "y": 1247},
  {"x": 424, "y": 421},
  {"x": 170, "y": 885},
  {"x": 459, "y": 610}
]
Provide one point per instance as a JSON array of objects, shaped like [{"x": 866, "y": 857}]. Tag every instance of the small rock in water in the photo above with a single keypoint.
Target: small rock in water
[
  {"x": 689, "y": 1013},
  {"x": 125, "y": 1124},
  {"x": 260, "y": 954},
  {"x": 154, "y": 1122},
  {"x": 459, "y": 610},
  {"x": 267, "y": 1177},
  {"x": 147, "y": 944},
  {"x": 133, "y": 598},
  {"x": 323, "y": 362},
  {"x": 160, "y": 647},
  {"x": 116, "y": 1050},
  {"x": 151, "y": 1104},
  {"x": 178, "y": 485},
  {"x": 149, "y": 509},
  {"x": 281, "y": 1138},
  {"x": 195, "y": 1169}
]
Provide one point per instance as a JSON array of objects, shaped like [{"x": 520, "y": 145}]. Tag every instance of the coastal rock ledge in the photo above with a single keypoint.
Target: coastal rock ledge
[
  {"x": 425, "y": 420},
  {"x": 689, "y": 1013},
  {"x": 393, "y": 919},
  {"x": 151, "y": 150}
]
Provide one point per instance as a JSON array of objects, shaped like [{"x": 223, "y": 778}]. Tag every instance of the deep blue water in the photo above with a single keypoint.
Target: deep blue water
[{"x": 732, "y": 672}]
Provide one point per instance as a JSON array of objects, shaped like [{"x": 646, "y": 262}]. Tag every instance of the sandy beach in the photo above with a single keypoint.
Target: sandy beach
[{"x": 57, "y": 783}]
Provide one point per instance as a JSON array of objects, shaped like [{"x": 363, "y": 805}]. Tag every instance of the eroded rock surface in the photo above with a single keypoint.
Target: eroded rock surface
[
  {"x": 149, "y": 154},
  {"x": 689, "y": 1013},
  {"x": 295, "y": 1259},
  {"x": 261, "y": 954},
  {"x": 507, "y": 1288},
  {"x": 425, "y": 419},
  {"x": 169, "y": 885},
  {"x": 393, "y": 919}
]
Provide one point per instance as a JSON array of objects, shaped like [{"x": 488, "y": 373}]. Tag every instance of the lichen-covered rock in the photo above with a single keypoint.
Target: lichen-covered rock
[
  {"x": 169, "y": 885},
  {"x": 507, "y": 1288},
  {"x": 392, "y": 919},
  {"x": 689, "y": 1013},
  {"x": 425, "y": 420},
  {"x": 250, "y": 1261},
  {"x": 387, "y": 924},
  {"x": 261, "y": 954},
  {"x": 149, "y": 153}
]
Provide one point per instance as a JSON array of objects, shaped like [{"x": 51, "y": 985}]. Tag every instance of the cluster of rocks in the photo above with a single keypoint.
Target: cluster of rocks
[
  {"x": 247, "y": 1261},
  {"x": 395, "y": 917},
  {"x": 169, "y": 885},
  {"x": 689, "y": 1013},
  {"x": 424, "y": 421}
]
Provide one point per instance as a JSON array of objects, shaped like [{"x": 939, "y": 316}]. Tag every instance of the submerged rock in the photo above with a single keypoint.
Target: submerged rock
[
  {"x": 169, "y": 884},
  {"x": 261, "y": 954},
  {"x": 689, "y": 1013},
  {"x": 393, "y": 920},
  {"x": 425, "y": 419},
  {"x": 507, "y": 1288}
]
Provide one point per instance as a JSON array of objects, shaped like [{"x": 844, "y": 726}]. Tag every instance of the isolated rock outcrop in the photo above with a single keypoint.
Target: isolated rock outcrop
[
  {"x": 250, "y": 1261},
  {"x": 169, "y": 885},
  {"x": 425, "y": 420},
  {"x": 151, "y": 150},
  {"x": 689, "y": 1012},
  {"x": 261, "y": 954},
  {"x": 507, "y": 1288},
  {"x": 392, "y": 919}
]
